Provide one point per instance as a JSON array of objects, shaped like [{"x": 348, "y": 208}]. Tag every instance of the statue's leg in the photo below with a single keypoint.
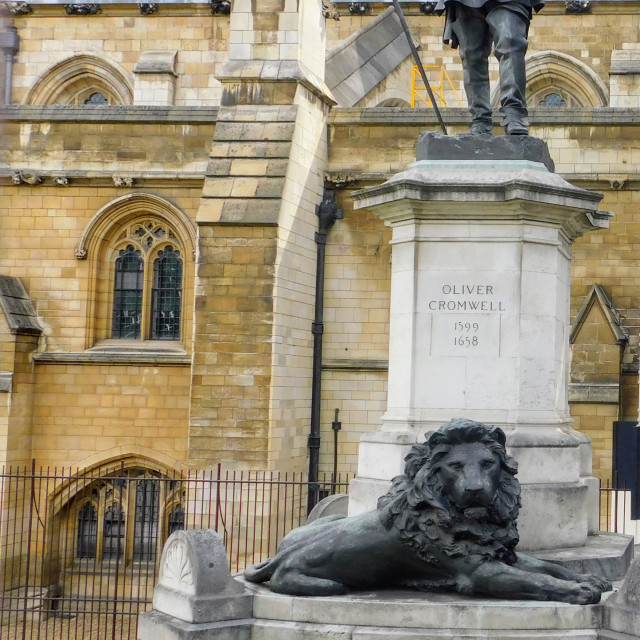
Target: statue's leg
[
  {"x": 474, "y": 37},
  {"x": 294, "y": 583},
  {"x": 499, "y": 580},
  {"x": 509, "y": 30}
]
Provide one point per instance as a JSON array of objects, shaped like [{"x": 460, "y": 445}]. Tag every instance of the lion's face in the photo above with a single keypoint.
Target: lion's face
[{"x": 470, "y": 475}]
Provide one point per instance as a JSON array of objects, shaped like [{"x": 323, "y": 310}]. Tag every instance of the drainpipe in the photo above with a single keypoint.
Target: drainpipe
[
  {"x": 10, "y": 45},
  {"x": 327, "y": 213}
]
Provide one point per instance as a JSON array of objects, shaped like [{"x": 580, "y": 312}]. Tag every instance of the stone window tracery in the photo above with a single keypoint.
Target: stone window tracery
[
  {"x": 127, "y": 517},
  {"x": 147, "y": 283}
]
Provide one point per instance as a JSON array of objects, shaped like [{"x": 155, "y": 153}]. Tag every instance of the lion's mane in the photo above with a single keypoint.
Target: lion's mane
[{"x": 426, "y": 519}]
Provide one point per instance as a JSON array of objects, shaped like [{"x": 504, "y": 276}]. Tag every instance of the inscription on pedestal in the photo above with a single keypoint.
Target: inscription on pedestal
[{"x": 466, "y": 315}]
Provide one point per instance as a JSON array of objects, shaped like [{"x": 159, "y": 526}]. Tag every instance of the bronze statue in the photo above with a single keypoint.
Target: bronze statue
[
  {"x": 474, "y": 25},
  {"x": 449, "y": 522}
]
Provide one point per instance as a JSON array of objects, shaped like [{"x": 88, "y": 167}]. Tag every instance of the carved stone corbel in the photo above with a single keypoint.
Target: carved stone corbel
[
  {"x": 578, "y": 6},
  {"x": 122, "y": 181},
  {"x": 359, "y": 8},
  {"x": 428, "y": 8},
  {"x": 61, "y": 181},
  {"x": 15, "y": 8},
  {"x": 148, "y": 8},
  {"x": 222, "y": 7},
  {"x": 17, "y": 177},
  {"x": 329, "y": 10},
  {"x": 82, "y": 9},
  {"x": 338, "y": 180}
]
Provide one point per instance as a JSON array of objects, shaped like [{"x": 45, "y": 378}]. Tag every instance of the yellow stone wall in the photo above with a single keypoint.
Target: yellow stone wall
[
  {"x": 118, "y": 35},
  {"x": 245, "y": 401},
  {"x": 113, "y": 409}
]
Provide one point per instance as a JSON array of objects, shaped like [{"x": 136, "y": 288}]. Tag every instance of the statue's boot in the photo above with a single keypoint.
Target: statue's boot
[
  {"x": 509, "y": 31},
  {"x": 474, "y": 39}
]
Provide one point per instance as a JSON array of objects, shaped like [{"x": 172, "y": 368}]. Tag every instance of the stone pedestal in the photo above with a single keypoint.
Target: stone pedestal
[
  {"x": 409, "y": 615},
  {"x": 195, "y": 597},
  {"x": 479, "y": 323}
]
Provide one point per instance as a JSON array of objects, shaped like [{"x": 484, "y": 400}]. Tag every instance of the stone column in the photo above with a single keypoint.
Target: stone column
[{"x": 482, "y": 234}]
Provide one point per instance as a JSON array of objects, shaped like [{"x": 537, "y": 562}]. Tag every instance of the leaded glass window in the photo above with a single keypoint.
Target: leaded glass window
[
  {"x": 87, "y": 531},
  {"x": 553, "y": 100},
  {"x": 113, "y": 532},
  {"x": 166, "y": 295},
  {"x": 96, "y": 98},
  {"x": 127, "y": 294},
  {"x": 176, "y": 519},
  {"x": 145, "y": 531}
]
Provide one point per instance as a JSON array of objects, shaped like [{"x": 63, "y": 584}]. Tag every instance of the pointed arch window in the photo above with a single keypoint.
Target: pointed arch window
[
  {"x": 147, "y": 283},
  {"x": 87, "y": 542},
  {"x": 127, "y": 294},
  {"x": 175, "y": 522},
  {"x": 145, "y": 531},
  {"x": 166, "y": 295},
  {"x": 113, "y": 540}
]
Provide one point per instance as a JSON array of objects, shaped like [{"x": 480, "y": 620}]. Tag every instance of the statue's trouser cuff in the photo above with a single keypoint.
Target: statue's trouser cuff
[{"x": 476, "y": 29}]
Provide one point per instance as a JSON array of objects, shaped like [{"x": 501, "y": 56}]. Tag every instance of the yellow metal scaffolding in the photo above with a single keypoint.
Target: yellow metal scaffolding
[{"x": 438, "y": 90}]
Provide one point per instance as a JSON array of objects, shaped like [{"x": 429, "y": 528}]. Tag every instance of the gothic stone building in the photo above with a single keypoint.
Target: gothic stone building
[{"x": 160, "y": 169}]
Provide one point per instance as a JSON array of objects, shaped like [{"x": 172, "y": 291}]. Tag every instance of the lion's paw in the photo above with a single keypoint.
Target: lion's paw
[
  {"x": 599, "y": 583},
  {"x": 586, "y": 593}
]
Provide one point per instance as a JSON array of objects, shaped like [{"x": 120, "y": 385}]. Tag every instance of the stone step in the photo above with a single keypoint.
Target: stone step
[
  {"x": 605, "y": 554},
  {"x": 410, "y": 615}
]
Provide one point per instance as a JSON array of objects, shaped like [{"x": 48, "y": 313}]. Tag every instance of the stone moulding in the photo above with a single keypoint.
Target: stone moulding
[{"x": 134, "y": 204}]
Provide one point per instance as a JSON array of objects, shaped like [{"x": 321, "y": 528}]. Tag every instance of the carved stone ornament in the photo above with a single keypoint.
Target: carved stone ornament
[
  {"x": 428, "y": 8},
  {"x": 338, "y": 180},
  {"x": 359, "y": 8},
  {"x": 176, "y": 565},
  {"x": 81, "y": 254},
  {"x": 329, "y": 10},
  {"x": 17, "y": 177},
  {"x": 578, "y": 6},
  {"x": 82, "y": 9},
  {"x": 220, "y": 6},
  {"x": 15, "y": 8},
  {"x": 148, "y": 8},
  {"x": 61, "y": 181},
  {"x": 122, "y": 181}
]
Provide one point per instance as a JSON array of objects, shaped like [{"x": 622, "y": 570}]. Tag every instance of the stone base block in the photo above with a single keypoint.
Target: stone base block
[
  {"x": 605, "y": 554},
  {"x": 407, "y": 615},
  {"x": 364, "y": 494},
  {"x": 161, "y": 626},
  {"x": 613, "y": 635},
  {"x": 552, "y": 516}
]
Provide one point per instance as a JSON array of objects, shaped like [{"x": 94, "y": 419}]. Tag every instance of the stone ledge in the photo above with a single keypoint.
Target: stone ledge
[
  {"x": 600, "y": 393},
  {"x": 107, "y": 114},
  {"x": 116, "y": 358},
  {"x": 340, "y": 364},
  {"x": 406, "y": 116}
]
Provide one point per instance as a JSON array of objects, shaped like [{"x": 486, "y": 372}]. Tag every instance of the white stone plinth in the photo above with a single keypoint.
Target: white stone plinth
[
  {"x": 406, "y": 615},
  {"x": 479, "y": 326}
]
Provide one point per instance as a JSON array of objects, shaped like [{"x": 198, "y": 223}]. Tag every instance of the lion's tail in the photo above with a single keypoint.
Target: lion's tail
[{"x": 260, "y": 572}]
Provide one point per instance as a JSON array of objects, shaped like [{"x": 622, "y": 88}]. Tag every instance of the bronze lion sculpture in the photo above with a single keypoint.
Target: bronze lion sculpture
[{"x": 449, "y": 523}]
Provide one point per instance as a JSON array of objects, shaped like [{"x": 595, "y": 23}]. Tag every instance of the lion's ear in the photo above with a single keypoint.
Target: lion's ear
[
  {"x": 498, "y": 435},
  {"x": 434, "y": 438}
]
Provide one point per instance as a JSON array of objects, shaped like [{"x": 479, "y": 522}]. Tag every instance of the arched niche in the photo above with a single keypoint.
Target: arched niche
[
  {"x": 76, "y": 79},
  {"x": 105, "y": 232},
  {"x": 554, "y": 72}
]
